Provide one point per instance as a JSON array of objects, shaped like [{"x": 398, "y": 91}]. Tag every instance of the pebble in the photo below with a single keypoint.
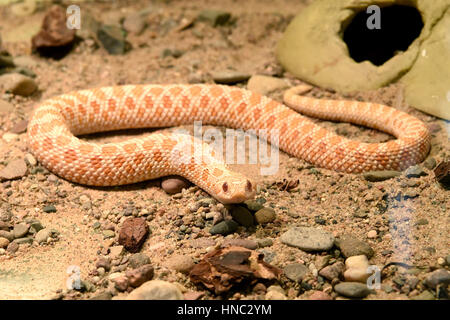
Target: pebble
[
  {"x": 26, "y": 240},
  {"x": 214, "y": 17},
  {"x": 156, "y": 290},
  {"x": 133, "y": 233},
  {"x": 296, "y": 271},
  {"x": 138, "y": 259},
  {"x": 426, "y": 295},
  {"x": 245, "y": 243},
  {"x": 229, "y": 77},
  {"x": 308, "y": 239},
  {"x": 14, "y": 170},
  {"x": 104, "y": 263},
  {"x": 224, "y": 227},
  {"x": 275, "y": 295},
  {"x": 253, "y": 205},
  {"x": 351, "y": 246},
  {"x": 116, "y": 252},
  {"x": 12, "y": 247},
  {"x": 356, "y": 269},
  {"x": 105, "y": 295},
  {"x": 421, "y": 222},
  {"x": 352, "y": 289},
  {"x": 43, "y": 235},
  {"x": 25, "y": 62},
  {"x": 49, "y": 209},
  {"x": 320, "y": 295},
  {"x": 108, "y": 234},
  {"x": 242, "y": 216},
  {"x": 30, "y": 159},
  {"x": 20, "y": 230},
  {"x": 173, "y": 185},
  {"x": 6, "y": 107},
  {"x": 7, "y": 235},
  {"x": 430, "y": 163},
  {"x": 180, "y": 263},
  {"x": 138, "y": 276},
  {"x": 265, "y": 215},
  {"x": 10, "y": 137},
  {"x": 265, "y": 242},
  {"x": 415, "y": 172},
  {"x": 333, "y": 271},
  {"x": 18, "y": 84},
  {"x": 375, "y": 176},
  {"x": 135, "y": 23},
  {"x": 372, "y": 234},
  {"x": 113, "y": 39},
  {"x": 265, "y": 85},
  {"x": 3, "y": 242},
  {"x": 438, "y": 277}
]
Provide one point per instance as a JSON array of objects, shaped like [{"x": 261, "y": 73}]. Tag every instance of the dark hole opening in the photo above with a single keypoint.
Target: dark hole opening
[{"x": 400, "y": 26}]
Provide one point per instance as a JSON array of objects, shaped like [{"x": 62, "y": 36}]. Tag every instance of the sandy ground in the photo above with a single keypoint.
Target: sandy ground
[{"x": 38, "y": 272}]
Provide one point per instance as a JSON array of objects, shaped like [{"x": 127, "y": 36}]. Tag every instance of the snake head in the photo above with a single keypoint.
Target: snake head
[{"x": 235, "y": 190}]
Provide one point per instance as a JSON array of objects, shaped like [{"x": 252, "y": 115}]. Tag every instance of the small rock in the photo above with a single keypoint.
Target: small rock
[
  {"x": 156, "y": 290},
  {"x": 266, "y": 242},
  {"x": 275, "y": 295},
  {"x": 320, "y": 295},
  {"x": 180, "y": 263},
  {"x": 135, "y": 23},
  {"x": 308, "y": 239},
  {"x": 10, "y": 137},
  {"x": 438, "y": 277},
  {"x": 113, "y": 39},
  {"x": 246, "y": 243},
  {"x": 116, "y": 252},
  {"x": 138, "y": 259},
  {"x": 332, "y": 272},
  {"x": 253, "y": 205},
  {"x": 104, "y": 263},
  {"x": 214, "y": 17},
  {"x": 173, "y": 185},
  {"x": 20, "y": 230},
  {"x": 133, "y": 233},
  {"x": 106, "y": 295},
  {"x": 3, "y": 242},
  {"x": 224, "y": 227},
  {"x": 43, "y": 235},
  {"x": 25, "y": 62},
  {"x": 120, "y": 282},
  {"x": 356, "y": 269},
  {"x": 296, "y": 271},
  {"x": 242, "y": 216},
  {"x": 375, "y": 176},
  {"x": 14, "y": 170},
  {"x": 426, "y": 295},
  {"x": 372, "y": 234},
  {"x": 49, "y": 209},
  {"x": 12, "y": 247},
  {"x": 265, "y": 85},
  {"x": 26, "y": 240},
  {"x": 108, "y": 234},
  {"x": 415, "y": 172},
  {"x": 138, "y": 276},
  {"x": 430, "y": 163},
  {"x": 30, "y": 159},
  {"x": 421, "y": 222},
  {"x": 352, "y": 289},
  {"x": 6, "y": 107},
  {"x": 7, "y": 235},
  {"x": 265, "y": 215},
  {"x": 350, "y": 246},
  {"x": 229, "y": 77},
  {"x": 23, "y": 9},
  {"x": 54, "y": 38}
]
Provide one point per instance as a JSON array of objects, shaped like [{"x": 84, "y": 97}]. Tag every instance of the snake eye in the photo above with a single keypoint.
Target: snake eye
[
  {"x": 225, "y": 187},
  {"x": 248, "y": 187}
]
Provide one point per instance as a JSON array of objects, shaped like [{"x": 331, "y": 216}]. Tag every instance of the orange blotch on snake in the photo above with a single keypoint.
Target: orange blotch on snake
[
  {"x": 85, "y": 148},
  {"x": 156, "y": 91},
  {"x": 217, "y": 172},
  {"x": 62, "y": 141},
  {"x": 109, "y": 150},
  {"x": 236, "y": 95},
  {"x": 70, "y": 155},
  {"x": 167, "y": 102},
  {"x": 175, "y": 90},
  {"x": 130, "y": 147},
  {"x": 118, "y": 161},
  {"x": 112, "y": 104},
  {"x": 215, "y": 91},
  {"x": 148, "y": 101},
  {"x": 96, "y": 161},
  {"x": 255, "y": 98},
  {"x": 129, "y": 103},
  {"x": 137, "y": 91},
  {"x": 204, "y": 101},
  {"x": 195, "y": 90}
]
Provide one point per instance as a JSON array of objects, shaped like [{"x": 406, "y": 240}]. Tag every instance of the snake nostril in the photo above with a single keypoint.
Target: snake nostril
[
  {"x": 249, "y": 186},
  {"x": 225, "y": 187}
]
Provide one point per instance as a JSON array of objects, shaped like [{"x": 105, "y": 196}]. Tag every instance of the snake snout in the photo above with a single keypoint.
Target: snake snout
[{"x": 235, "y": 191}]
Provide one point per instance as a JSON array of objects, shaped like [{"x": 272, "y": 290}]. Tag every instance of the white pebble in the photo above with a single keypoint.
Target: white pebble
[
  {"x": 372, "y": 234},
  {"x": 356, "y": 269},
  {"x": 30, "y": 159},
  {"x": 9, "y": 137}
]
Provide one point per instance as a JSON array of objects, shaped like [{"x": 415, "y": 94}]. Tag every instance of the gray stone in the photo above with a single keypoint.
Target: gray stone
[
  {"x": 20, "y": 230},
  {"x": 113, "y": 39},
  {"x": 246, "y": 243},
  {"x": 43, "y": 235},
  {"x": 308, "y": 239},
  {"x": 430, "y": 163},
  {"x": 214, "y": 17},
  {"x": 265, "y": 215},
  {"x": 138, "y": 259},
  {"x": 28, "y": 240},
  {"x": 224, "y": 227},
  {"x": 332, "y": 272},
  {"x": 108, "y": 234},
  {"x": 229, "y": 77},
  {"x": 351, "y": 246},
  {"x": 49, "y": 209},
  {"x": 296, "y": 271},
  {"x": 156, "y": 290},
  {"x": 6, "y": 234},
  {"x": 375, "y": 176},
  {"x": 18, "y": 84},
  {"x": 438, "y": 277},
  {"x": 253, "y": 205},
  {"x": 415, "y": 172},
  {"x": 14, "y": 170},
  {"x": 352, "y": 289},
  {"x": 242, "y": 216}
]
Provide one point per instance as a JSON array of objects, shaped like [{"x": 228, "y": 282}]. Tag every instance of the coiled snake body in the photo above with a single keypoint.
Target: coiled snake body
[{"x": 55, "y": 123}]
